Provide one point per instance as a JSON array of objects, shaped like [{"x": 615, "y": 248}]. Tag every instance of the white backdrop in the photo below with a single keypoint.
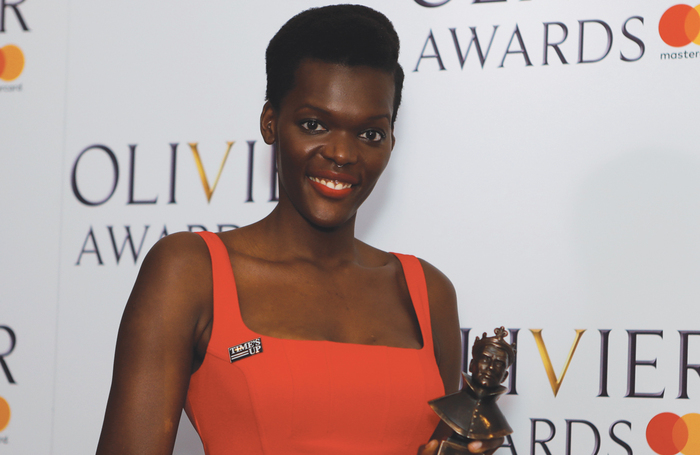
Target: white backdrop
[{"x": 556, "y": 196}]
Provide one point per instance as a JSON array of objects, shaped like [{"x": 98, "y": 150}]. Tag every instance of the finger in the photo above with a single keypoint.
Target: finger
[
  {"x": 429, "y": 449},
  {"x": 485, "y": 446}
]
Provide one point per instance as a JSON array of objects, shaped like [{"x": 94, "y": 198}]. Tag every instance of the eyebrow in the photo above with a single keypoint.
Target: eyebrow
[{"x": 386, "y": 116}]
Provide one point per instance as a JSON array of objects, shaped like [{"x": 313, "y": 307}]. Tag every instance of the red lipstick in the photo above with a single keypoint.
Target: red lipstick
[{"x": 331, "y": 184}]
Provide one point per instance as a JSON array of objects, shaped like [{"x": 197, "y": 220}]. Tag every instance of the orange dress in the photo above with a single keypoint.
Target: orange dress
[{"x": 256, "y": 394}]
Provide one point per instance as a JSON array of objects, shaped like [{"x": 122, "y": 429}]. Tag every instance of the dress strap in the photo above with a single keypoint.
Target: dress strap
[
  {"x": 228, "y": 327},
  {"x": 418, "y": 290}
]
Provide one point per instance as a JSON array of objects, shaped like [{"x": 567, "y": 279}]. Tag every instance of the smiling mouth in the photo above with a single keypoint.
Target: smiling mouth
[{"x": 332, "y": 184}]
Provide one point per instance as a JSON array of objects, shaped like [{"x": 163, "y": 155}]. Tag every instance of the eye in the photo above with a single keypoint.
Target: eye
[
  {"x": 373, "y": 135},
  {"x": 312, "y": 126}
]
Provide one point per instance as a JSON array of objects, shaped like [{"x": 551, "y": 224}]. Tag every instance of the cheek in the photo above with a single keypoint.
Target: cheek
[
  {"x": 377, "y": 162},
  {"x": 290, "y": 157},
  {"x": 289, "y": 173},
  {"x": 283, "y": 166}
]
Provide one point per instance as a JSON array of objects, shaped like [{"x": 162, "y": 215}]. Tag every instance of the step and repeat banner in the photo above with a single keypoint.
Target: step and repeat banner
[{"x": 547, "y": 161}]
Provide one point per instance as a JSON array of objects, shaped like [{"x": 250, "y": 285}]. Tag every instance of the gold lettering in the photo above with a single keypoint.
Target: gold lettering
[
  {"x": 553, "y": 381},
  {"x": 209, "y": 191}
]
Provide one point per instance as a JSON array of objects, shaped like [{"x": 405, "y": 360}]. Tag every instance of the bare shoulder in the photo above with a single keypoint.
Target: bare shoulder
[
  {"x": 441, "y": 291},
  {"x": 178, "y": 252},
  {"x": 175, "y": 275},
  {"x": 443, "y": 306},
  {"x": 444, "y": 321}
]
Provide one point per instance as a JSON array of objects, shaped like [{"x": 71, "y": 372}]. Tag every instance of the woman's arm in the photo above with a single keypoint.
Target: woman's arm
[
  {"x": 447, "y": 340},
  {"x": 165, "y": 317}
]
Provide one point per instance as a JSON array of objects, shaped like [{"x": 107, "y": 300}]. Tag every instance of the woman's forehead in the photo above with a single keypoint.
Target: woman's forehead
[{"x": 334, "y": 86}]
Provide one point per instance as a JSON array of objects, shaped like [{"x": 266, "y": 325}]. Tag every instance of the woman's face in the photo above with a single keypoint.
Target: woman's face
[{"x": 334, "y": 137}]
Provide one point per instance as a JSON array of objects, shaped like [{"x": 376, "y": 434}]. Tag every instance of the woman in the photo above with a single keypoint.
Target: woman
[{"x": 321, "y": 344}]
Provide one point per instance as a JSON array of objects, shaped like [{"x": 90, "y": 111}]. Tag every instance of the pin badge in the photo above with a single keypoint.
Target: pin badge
[{"x": 243, "y": 350}]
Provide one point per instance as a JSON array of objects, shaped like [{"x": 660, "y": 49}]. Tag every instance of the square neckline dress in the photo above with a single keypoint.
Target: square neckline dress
[{"x": 310, "y": 397}]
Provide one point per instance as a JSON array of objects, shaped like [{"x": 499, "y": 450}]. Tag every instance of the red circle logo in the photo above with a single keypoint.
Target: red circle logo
[
  {"x": 669, "y": 434},
  {"x": 680, "y": 25}
]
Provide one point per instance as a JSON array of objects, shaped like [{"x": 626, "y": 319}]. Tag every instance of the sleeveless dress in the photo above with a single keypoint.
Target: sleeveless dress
[{"x": 260, "y": 395}]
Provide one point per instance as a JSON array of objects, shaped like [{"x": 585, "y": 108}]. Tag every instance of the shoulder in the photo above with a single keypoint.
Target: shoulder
[
  {"x": 443, "y": 303},
  {"x": 442, "y": 298},
  {"x": 180, "y": 259},
  {"x": 176, "y": 273},
  {"x": 182, "y": 249},
  {"x": 444, "y": 321},
  {"x": 441, "y": 292},
  {"x": 440, "y": 288}
]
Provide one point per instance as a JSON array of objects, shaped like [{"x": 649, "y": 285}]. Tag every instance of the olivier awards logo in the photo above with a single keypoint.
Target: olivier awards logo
[
  {"x": 509, "y": 43},
  {"x": 95, "y": 182}
]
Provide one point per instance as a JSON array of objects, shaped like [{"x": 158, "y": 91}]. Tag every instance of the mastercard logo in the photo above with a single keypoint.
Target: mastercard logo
[
  {"x": 668, "y": 434},
  {"x": 680, "y": 25},
  {"x": 4, "y": 413},
  {"x": 11, "y": 62}
]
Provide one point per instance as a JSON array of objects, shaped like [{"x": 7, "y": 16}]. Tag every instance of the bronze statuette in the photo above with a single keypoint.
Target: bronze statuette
[{"x": 472, "y": 412}]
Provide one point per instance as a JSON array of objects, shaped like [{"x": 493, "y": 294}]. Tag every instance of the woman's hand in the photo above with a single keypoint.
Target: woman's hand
[
  {"x": 485, "y": 446},
  {"x": 429, "y": 449}
]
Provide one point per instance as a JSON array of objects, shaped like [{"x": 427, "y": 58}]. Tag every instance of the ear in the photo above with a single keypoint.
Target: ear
[
  {"x": 505, "y": 376},
  {"x": 472, "y": 366},
  {"x": 268, "y": 124}
]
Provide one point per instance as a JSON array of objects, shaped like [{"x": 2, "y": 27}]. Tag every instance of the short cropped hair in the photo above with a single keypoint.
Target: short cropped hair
[{"x": 350, "y": 35}]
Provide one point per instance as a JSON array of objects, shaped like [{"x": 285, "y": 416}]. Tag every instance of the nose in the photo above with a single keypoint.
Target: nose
[{"x": 341, "y": 148}]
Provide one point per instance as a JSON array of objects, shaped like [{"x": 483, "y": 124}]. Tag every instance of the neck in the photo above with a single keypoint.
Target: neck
[{"x": 293, "y": 237}]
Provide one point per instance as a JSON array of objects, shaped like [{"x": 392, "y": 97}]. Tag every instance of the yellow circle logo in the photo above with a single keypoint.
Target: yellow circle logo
[
  {"x": 11, "y": 62},
  {"x": 4, "y": 413}
]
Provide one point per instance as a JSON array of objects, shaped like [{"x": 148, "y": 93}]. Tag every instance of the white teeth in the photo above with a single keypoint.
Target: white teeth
[{"x": 332, "y": 184}]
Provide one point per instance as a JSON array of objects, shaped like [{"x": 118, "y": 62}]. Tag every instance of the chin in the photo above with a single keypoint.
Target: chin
[
  {"x": 329, "y": 225},
  {"x": 328, "y": 222},
  {"x": 329, "y": 219}
]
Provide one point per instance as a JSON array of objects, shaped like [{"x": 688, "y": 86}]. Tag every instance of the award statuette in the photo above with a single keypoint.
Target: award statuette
[{"x": 472, "y": 412}]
